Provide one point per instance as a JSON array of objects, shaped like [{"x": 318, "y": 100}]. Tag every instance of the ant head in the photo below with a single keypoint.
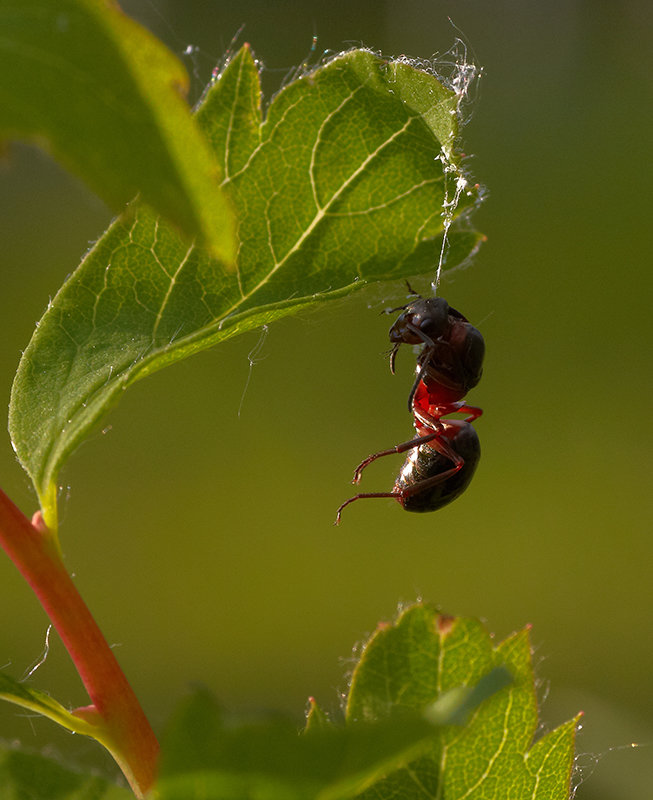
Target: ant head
[
  {"x": 421, "y": 322},
  {"x": 430, "y": 316}
]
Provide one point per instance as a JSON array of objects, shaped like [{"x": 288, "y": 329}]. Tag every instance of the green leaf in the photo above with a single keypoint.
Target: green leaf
[
  {"x": 32, "y": 699},
  {"x": 105, "y": 96},
  {"x": 340, "y": 185},
  {"x": 316, "y": 717},
  {"x": 29, "y": 776},
  {"x": 431, "y": 713},
  {"x": 424, "y": 655},
  {"x": 206, "y": 756}
]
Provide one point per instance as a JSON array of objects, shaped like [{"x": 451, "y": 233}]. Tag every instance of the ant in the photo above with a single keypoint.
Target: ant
[{"x": 442, "y": 458}]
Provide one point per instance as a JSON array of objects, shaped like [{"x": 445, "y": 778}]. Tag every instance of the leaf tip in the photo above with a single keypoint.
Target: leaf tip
[{"x": 445, "y": 624}]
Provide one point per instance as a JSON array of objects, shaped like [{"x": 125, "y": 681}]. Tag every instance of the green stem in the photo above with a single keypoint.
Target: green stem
[{"x": 122, "y": 726}]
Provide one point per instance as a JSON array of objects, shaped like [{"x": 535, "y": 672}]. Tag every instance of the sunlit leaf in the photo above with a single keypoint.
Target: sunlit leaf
[
  {"x": 106, "y": 98},
  {"x": 208, "y": 756},
  {"x": 423, "y": 655},
  {"x": 435, "y": 710},
  {"x": 341, "y": 184}
]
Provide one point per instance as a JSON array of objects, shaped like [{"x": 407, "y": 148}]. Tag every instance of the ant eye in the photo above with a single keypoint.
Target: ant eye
[{"x": 435, "y": 317}]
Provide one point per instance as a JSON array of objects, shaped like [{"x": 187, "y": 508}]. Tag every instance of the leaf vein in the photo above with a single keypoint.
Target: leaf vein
[
  {"x": 173, "y": 281},
  {"x": 496, "y": 754},
  {"x": 321, "y": 213},
  {"x": 396, "y": 199}
]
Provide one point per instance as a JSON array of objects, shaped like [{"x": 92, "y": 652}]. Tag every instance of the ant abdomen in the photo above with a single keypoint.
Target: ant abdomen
[{"x": 429, "y": 480}]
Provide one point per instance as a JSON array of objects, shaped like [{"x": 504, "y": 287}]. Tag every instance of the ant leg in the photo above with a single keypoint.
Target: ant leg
[
  {"x": 443, "y": 447},
  {"x": 398, "y": 448},
  {"x": 423, "y": 360},
  {"x": 393, "y": 310},
  {"x": 362, "y": 497},
  {"x": 393, "y": 357},
  {"x": 407, "y": 492},
  {"x": 420, "y": 375},
  {"x": 426, "y": 339},
  {"x": 433, "y": 417},
  {"x": 403, "y": 308},
  {"x": 427, "y": 483},
  {"x": 474, "y": 412},
  {"x": 438, "y": 437},
  {"x": 442, "y": 431},
  {"x": 429, "y": 345},
  {"x": 459, "y": 407}
]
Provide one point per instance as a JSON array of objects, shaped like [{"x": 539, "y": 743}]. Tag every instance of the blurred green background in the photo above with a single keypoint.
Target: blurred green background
[{"x": 199, "y": 524}]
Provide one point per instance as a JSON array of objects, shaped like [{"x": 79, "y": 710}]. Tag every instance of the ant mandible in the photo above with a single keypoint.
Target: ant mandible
[{"x": 442, "y": 458}]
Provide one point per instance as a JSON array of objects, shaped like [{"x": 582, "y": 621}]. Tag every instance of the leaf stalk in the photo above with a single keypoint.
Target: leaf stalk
[{"x": 122, "y": 726}]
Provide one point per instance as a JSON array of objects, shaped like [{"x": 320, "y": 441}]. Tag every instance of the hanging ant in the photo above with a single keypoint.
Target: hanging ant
[{"x": 443, "y": 457}]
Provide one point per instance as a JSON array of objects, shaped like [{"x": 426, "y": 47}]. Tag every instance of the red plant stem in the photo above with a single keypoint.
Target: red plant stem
[{"x": 127, "y": 733}]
